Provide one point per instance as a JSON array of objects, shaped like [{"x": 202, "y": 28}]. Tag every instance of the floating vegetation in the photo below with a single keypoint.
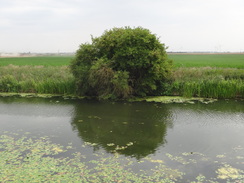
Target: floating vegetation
[
  {"x": 111, "y": 144},
  {"x": 221, "y": 156},
  {"x": 156, "y": 161},
  {"x": 94, "y": 117},
  {"x": 28, "y": 160},
  {"x": 174, "y": 99},
  {"x": 180, "y": 159},
  {"x": 130, "y": 144},
  {"x": 25, "y": 159},
  {"x": 90, "y": 144},
  {"x": 120, "y": 148},
  {"x": 228, "y": 172}
]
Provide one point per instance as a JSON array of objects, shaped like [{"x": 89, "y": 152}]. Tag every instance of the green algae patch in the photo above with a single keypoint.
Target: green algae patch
[
  {"x": 158, "y": 99},
  {"x": 25, "y": 159},
  {"x": 227, "y": 172},
  {"x": 174, "y": 99},
  {"x": 38, "y": 95},
  {"x": 28, "y": 95}
]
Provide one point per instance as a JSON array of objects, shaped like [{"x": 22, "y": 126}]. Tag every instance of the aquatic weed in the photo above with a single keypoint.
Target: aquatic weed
[
  {"x": 24, "y": 159},
  {"x": 29, "y": 160}
]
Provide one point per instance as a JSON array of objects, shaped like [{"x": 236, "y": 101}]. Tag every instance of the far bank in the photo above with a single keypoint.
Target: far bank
[{"x": 206, "y": 82}]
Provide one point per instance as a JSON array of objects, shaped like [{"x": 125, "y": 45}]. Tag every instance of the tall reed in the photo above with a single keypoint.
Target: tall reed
[
  {"x": 208, "y": 82},
  {"x": 36, "y": 79},
  {"x": 188, "y": 82}
]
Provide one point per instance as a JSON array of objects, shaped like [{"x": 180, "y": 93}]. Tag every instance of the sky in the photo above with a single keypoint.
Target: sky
[{"x": 62, "y": 25}]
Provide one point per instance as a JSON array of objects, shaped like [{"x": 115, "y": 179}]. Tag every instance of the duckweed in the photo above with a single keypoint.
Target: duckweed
[{"x": 23, "y": 159}]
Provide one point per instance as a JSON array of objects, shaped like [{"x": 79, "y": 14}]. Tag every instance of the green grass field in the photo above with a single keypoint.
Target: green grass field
[
  {"x": 180, "y": 60},
  {"x": 44, "y": 61},
  {"x": 208, "y": 60}
]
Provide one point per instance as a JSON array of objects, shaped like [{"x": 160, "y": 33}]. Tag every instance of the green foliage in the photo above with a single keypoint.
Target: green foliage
[
  {"x": 120, "y": 63},
  {"x": 8, "y": 83}
]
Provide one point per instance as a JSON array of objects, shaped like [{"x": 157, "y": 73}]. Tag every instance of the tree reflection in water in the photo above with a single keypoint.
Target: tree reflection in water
[{"x": 131, "y": 129}]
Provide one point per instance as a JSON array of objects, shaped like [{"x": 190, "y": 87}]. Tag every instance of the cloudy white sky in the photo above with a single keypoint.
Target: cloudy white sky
[{"x": 62, "y": 25}]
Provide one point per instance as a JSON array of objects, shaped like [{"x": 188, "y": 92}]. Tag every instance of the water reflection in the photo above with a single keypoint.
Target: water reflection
[
  {"x": 35, "y": 107},
  {"x": 131, "y": 129}
]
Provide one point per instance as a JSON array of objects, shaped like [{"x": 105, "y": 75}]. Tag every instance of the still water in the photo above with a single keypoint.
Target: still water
[{"x": 193, "y": 138}]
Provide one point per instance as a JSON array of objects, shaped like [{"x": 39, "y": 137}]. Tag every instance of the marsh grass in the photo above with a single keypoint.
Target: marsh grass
[
  {"x": 213, "y": 89},
  {"x": 207, "y": 73},
  {"x": 208, "y": 82},
  {"x": 36, "y": 79}
]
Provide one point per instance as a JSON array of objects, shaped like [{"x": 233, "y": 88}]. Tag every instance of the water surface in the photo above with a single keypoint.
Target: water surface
[{"x": 193, "y": 138}]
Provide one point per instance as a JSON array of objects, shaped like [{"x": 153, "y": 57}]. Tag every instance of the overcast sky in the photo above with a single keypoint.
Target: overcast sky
[{"x": 62, "y": 25}]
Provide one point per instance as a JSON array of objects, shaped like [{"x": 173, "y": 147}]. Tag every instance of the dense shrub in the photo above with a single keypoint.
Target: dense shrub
[{"x": 120, "y": 63}]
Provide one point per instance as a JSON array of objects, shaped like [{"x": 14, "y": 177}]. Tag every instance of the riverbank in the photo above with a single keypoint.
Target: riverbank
[
  {"x": 217, "y": 76},
  {"x": 37, "y": 79},
  {"x": 156, "y": 99},
  {"x": 206, "y": 82}
]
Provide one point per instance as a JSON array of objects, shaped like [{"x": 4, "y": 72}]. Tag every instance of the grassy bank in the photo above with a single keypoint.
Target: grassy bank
[
  {"x": 37, "y": 79},
  {"x": 51, "y": 75},
  {"x": 208, "y": 82}
]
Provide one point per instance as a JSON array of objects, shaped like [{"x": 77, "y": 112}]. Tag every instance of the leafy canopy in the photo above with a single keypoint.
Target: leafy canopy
[{"x": 121, "y": 63}]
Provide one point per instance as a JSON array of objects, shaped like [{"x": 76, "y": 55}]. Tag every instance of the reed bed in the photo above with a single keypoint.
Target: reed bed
[
  {"x": 207, "y": 73},
  {"x": 210, "y": 89},
  {"x": 208, "y": 82},
  {"x": 37, "y": 79}
]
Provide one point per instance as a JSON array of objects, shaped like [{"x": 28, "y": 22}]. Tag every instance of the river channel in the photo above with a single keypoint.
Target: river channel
[{"x": 196, "y": 139}]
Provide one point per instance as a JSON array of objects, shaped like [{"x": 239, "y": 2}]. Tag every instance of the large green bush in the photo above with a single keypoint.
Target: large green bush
[{"x": 121, "y": 63}]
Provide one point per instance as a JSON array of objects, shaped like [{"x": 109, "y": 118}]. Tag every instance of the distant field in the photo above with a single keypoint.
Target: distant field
[
  {"x": 180, "y": 60},
  {"x": 45, "y": 61},
  {"x": 211, "y": 60}
]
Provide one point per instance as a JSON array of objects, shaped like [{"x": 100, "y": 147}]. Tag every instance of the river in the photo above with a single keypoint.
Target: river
[{"x": 196, "y": 139}]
